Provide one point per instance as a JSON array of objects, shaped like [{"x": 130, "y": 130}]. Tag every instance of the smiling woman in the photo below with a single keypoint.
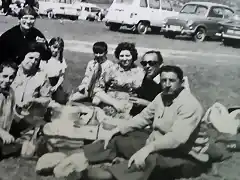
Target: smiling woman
[{"x": 14, "y": 43}]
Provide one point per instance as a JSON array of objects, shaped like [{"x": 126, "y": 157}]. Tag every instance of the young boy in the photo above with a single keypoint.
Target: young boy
[{"x": 93, "y": 80}]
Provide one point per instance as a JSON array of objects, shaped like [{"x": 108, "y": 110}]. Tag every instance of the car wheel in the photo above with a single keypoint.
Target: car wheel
[
  {"x": 114, "y": 26},
  {"x": 50, "y": 15},
  {"x": 170, "y": 35},
  {"x": 142, "y": 27},
  {"x": 200, "y": 34}
]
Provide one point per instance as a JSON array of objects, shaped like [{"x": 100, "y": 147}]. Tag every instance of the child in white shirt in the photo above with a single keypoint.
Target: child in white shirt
[{"x": 56, "y": 66}]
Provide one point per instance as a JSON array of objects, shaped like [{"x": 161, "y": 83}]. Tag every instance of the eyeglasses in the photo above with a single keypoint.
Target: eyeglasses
[{"x": 150, "y": 63}]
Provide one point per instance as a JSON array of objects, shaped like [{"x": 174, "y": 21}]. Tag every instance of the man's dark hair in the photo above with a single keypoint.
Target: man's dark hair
[
  {"x": 9, "y": 64},
  {"x": 175, "y": 69},
  {"x": 100, "y": 47},
  {"x": 28, "y": 10},
  {"x": 158, "y": 53}
]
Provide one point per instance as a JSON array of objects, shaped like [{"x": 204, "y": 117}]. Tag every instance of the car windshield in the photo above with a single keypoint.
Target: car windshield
[
  {"x": 124, "y": 1},
  {"x": 194, "y": 9}
]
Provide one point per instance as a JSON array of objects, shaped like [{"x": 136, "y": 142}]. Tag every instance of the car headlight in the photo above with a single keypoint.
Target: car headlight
[{"x": 190, "y": 22}]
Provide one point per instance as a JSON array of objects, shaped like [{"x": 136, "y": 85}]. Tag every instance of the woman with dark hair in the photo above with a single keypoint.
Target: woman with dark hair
[
  {"x": 32, "y": 89},
  {"x": 14, "y": 43},
  {"x": 124, "y": 78}
]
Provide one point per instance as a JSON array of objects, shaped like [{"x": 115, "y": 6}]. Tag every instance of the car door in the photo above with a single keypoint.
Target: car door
[
  {"x": 215, "y": 15},
  {"x": 154, "y": 11}
]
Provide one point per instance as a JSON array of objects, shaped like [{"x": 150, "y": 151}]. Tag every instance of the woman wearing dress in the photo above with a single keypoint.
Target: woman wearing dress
[
  {"x": 55, "y": 69},
  {"x": 123, "y": 80}
]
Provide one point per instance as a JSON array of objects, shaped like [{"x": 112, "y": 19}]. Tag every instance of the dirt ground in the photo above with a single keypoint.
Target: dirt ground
[{"x": 212, "y": 78}]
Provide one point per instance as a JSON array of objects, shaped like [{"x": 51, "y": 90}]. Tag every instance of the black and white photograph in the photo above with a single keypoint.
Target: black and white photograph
[{"x": 119, "y": 89}]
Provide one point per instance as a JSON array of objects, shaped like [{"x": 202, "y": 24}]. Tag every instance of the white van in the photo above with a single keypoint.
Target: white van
[{"x": 139, "y": 14}]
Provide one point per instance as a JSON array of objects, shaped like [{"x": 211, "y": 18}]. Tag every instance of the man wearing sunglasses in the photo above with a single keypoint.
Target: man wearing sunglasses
[{"x": 151, "y": 62}]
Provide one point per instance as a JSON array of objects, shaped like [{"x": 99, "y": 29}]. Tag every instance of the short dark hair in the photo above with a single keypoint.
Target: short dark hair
[
  {"x": 175, "y": 69},
  {"x": 100, "y": 47},
  {"x": 126, "y": 46},
  {"x": 28, "y": 10},
  {"x": 158, "y": 53},
  {"x": 9, "y": 64}
]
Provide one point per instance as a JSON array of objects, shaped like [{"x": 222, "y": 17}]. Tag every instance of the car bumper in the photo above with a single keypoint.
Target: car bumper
[
  {"x": 227, "y": 36},
  {"x": 178, "y": 30},
  {"x": 122, "y": 23}
]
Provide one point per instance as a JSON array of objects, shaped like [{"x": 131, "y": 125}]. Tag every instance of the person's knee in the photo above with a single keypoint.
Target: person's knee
[{"x": 98, "y": 173}]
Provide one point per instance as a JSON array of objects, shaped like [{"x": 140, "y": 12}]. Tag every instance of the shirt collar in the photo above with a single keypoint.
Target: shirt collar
[{"x": 157, "y": 79}]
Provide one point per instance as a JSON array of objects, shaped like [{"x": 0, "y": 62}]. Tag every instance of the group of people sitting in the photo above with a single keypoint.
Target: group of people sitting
[{"x": 154, "y": 124}]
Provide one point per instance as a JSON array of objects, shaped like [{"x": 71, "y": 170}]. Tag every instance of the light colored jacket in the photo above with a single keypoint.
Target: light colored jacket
[{"x": 176, "y": 126}]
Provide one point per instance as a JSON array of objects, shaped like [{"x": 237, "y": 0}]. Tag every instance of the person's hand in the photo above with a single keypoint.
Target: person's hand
[
  {"x": 6, "y": 137},
  {"x": 139, "y": 158},
  {"x": 53, "y": 89},
  {"x": 139, "y": 101},
  {"x": 40, "y": 40},
  {"x": 119, "y": 106}
]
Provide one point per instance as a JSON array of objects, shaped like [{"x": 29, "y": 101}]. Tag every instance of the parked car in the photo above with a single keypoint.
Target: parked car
[
  {"x": 229, "y": 30},
  {"x": 197, "y": 19},
  {"x": 60, "y": 8},
  {"x": 87, "y": 10},
  {"x": 97, "y": 16},
  {"x": 139, "y": 15}
]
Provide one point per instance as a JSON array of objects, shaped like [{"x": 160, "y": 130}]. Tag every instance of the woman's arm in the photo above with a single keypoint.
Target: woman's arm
[
  {"x": 60, "y": 81},
  {"x": 105, "y": 98}
]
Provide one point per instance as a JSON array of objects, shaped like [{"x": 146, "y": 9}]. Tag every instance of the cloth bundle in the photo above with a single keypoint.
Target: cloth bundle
[{"x": 61, "y": 165}]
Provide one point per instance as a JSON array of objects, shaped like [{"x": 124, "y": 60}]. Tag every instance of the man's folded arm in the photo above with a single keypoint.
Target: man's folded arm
[{"x": 141, "y": 120}]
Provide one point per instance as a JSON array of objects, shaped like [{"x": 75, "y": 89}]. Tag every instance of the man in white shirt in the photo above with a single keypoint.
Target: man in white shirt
[{"x": 7, "y": 101}]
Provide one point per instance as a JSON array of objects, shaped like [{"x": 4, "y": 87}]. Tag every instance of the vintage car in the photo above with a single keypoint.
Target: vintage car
[
  {"x": 198, "y": 20},
  {"x": 229, "y": 30},
  {"x": 139, "y": 15},
  {"x": 67, "y": 8}
]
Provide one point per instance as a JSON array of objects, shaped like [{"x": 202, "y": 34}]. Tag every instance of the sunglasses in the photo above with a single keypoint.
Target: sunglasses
[{"x": 150, "y": 63}]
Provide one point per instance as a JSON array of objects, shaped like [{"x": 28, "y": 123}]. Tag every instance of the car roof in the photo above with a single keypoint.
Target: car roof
[
  {"x": 86, "y": 4},
  {"x": 209, "y": 4}
]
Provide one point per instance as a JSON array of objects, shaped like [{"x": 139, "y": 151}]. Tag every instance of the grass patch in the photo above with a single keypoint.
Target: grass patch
[{"x": 209, "y": 82}]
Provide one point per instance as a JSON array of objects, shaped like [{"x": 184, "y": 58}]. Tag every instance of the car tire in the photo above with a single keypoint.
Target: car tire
[
  {"x": 50, "y": 15},
  {"x": 114, "y": 26},
  {"x": 142, "y": 27},
  {"x": 200, "y": 34},
  {"x": 170, "y": 35}
]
